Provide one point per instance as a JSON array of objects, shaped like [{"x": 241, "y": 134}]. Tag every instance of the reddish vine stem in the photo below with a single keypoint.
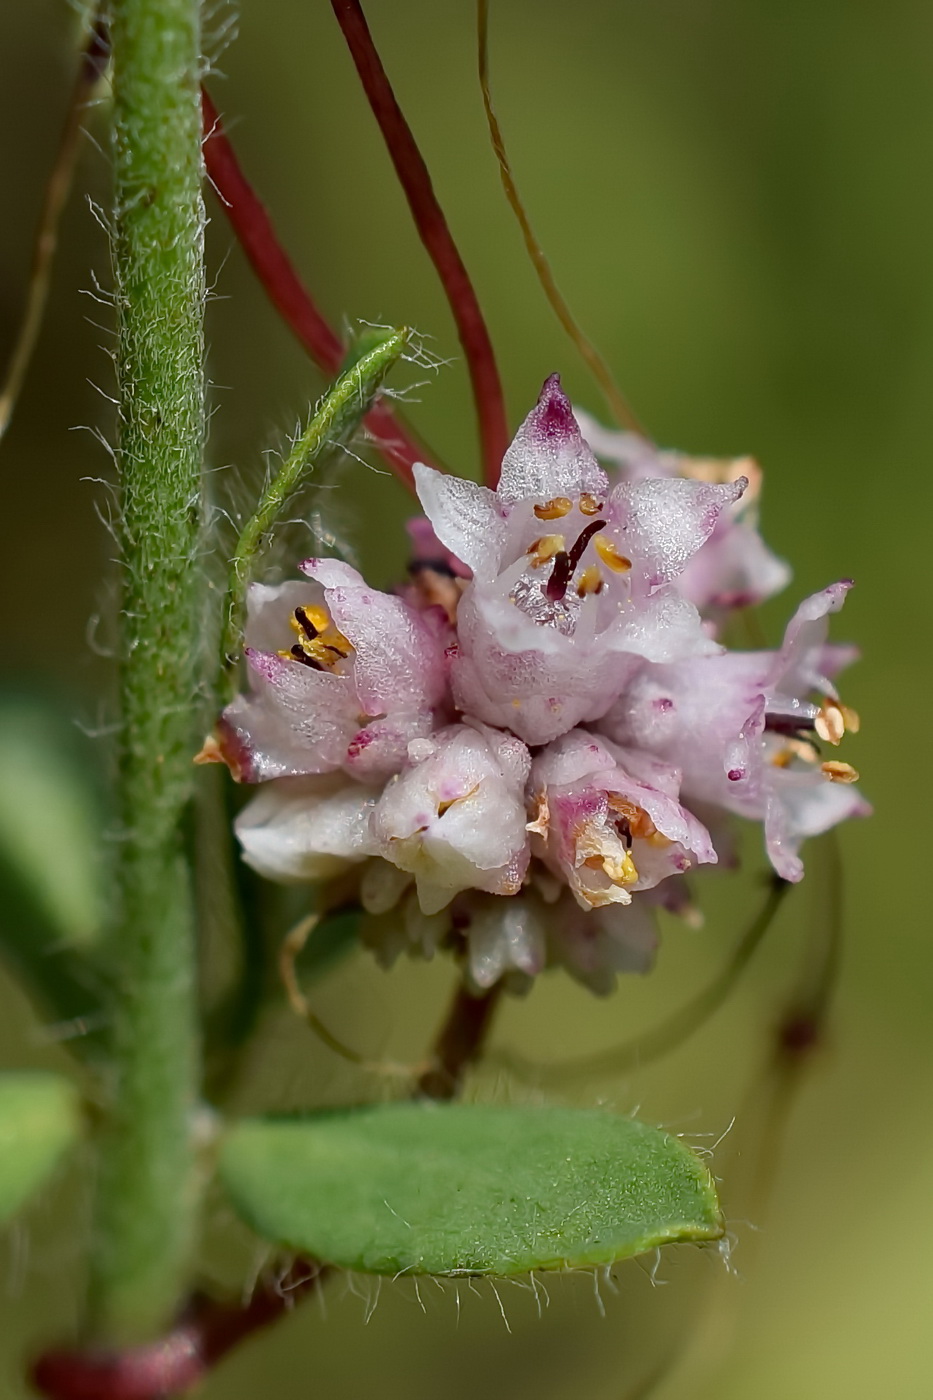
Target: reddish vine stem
[
  {"x": 203, "y": 1335},
  {"x": 276, "y": 272},
  {"x": 211, "y": 1327},
  {"x": 434, "y": 233}
]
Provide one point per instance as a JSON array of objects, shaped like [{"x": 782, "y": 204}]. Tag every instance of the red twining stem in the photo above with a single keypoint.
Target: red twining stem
[
  {"x": 435, "y": 235},
  {"x": 257, "y": 237},
  {"x": 171, "y": 1366}
]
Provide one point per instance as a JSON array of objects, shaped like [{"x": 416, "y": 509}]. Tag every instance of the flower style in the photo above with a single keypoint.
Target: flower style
[
  {"x": 740, "y": 727},
  {"x": 572, "y": 583},
  {"x": 342, "y": 676},
  {"x": 520, "y": 755}
]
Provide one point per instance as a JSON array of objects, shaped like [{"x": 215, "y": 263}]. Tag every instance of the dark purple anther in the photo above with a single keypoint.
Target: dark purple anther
[
  {"x": 299, "y": 653},
  {"x": 305, "y": 623}
]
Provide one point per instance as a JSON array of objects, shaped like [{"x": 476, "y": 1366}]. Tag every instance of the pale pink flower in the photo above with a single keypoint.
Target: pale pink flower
[
  {"x": 740, "y": 728},
  {"x": 300, "y": 829},
  {"x": 502, "y": 938},
  {"x": 608, "y": 822},
  {"x": 572, "y": 583},
  {"x": 455, "y": 816},
  {"x": 734, "y": 568},
  {"x": 597, "y": 945},
  {"x": 341, "y": 676},
  {"x": 519, "y": 756}
]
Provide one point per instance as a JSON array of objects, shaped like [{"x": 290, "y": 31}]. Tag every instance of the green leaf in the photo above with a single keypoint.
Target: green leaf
[
  {"x": 475, "y": 1189},
  {"x": 50, "y": 865},
  {"x": 49, "y": 818},
  {"x": 39, "y": 1119}
]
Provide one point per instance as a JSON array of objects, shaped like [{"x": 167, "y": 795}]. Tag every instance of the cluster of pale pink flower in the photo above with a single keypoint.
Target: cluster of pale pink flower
[{"x": 521, "y": 753}]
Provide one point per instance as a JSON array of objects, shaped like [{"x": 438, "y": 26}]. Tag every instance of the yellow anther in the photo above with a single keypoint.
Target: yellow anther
[
  {"x": 830, "y": 723},
  {"x": 834, "y": 720},
  {"x": 591, "y": 581},
  {"x": 544, "y": 549},
  {"x": 839, "y": 772},
  {"x": 610, "y": 555},
  {"x": 318, "y": 638},
  {"x": 794, "y": 748},
  {"x": 209, "y": 752},
  {"x": 639, "y": 823},
  {"x": 554, "y": 509},
  {"x": 721, "y": 470},
  {"x": 852, "y": 722},
  {"x": 589, "y": 505},
  {"x": 620, "y": 869}
]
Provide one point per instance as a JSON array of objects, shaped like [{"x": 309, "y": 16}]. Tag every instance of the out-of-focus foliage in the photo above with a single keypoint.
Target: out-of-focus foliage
[
  {"x": 735, "y": 199},
  {"x": 38, "y": 1120}
]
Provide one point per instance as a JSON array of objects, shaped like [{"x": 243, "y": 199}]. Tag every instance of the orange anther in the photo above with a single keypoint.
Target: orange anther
[
  {"x": 554, "y": 509},
  {"x": 610, "y": 555}
]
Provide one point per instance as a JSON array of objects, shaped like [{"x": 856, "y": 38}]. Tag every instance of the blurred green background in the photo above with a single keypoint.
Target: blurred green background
[{"x": 735, "y": 196}]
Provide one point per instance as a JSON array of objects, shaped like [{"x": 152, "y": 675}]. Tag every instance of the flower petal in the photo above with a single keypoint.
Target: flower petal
[
  {"x": 467, "y": 518},
  {"x": 664, "y": 523},
  {"x": 398, "y": 661},
  {"x": 306, "y": 828},
  {"x": 548, "y": 456},
  {"x": 456, "y": 819},
  {"x": 295, "y": 721}
]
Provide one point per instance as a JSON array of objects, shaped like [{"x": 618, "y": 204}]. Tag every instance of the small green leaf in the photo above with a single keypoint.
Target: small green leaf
[
  {"x": 49, "y": 819},
  {"x": 476, "y": 1189},
  {"x": 39, "y": 1119},
  {"x": 50, "y": 863}
]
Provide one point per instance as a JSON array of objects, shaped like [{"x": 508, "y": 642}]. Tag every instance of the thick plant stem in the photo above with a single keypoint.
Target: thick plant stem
[
  {"x": 460, "y": 1042},
  {"x": 146, "y": 1194}
]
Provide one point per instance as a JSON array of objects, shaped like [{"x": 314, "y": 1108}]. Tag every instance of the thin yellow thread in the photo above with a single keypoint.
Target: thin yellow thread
[
  {"x": 54, "y": 199},
  {"x": 591, "y": 356},
  {"x": 292, "y": 945}
]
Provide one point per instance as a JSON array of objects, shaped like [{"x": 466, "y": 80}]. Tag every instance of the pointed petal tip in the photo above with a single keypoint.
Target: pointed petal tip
[
  {"x": 550, "y": 386},
  {"x": 554, "y": 412}
]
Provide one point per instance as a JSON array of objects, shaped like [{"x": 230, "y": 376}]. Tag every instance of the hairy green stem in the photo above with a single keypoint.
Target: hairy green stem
[
  {"x": 146, "y": 1198},
  {"x": 336, "y": 418}
]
